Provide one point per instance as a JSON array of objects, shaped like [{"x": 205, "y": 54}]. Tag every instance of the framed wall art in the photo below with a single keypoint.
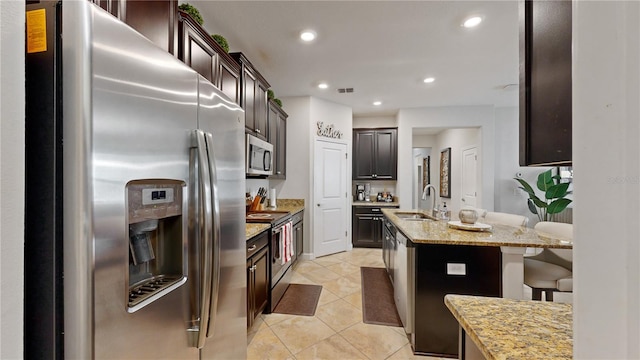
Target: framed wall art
[
  {"x": 445, "y": 173},
  {"x": 426, "y": 173}
]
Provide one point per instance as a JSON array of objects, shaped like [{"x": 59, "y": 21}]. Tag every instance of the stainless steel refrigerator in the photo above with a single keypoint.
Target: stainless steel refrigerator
[{"x": 135, "y": 230}]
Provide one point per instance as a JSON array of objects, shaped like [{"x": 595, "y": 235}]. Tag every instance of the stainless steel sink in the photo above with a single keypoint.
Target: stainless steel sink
[{"x": 413, "y": 216}]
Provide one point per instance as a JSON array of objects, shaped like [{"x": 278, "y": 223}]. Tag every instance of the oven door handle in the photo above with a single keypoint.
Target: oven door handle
[{"x": 276, "y": 236}]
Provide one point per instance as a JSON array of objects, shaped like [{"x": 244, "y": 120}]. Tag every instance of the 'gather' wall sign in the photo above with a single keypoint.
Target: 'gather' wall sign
[{"x": 328, "y": 131}]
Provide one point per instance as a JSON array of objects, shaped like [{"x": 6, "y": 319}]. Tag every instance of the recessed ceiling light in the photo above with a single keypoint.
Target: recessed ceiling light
[
  {"x": 429, "y": 80},
  {"x": 377, "y": 103},
  {"x": 323, "y": 85},
  {"x": 308, "y": 35},
  {"x": 472, "y": 22}
]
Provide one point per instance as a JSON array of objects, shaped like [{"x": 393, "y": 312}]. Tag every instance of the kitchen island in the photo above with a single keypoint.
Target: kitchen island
[
  {"x": 432, "y": 260},
  {"x": 495, "y": 328}
]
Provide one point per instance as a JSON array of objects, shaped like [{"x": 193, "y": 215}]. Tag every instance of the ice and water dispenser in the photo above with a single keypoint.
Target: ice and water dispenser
[{"x": 157, "y": 240}]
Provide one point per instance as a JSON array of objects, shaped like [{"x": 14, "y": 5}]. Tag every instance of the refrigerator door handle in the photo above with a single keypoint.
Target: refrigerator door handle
[
  {"x": 215, "y": 290},
  {"x": 205, "y": 220}
]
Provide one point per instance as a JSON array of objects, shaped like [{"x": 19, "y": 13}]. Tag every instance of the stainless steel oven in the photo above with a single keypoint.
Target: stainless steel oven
[
  {"x": 259, "y": 156},
  {"x": 283, "y": 250}
]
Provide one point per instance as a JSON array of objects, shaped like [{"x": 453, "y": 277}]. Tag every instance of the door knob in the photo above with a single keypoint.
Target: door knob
[{"x": 318, "y": 205}]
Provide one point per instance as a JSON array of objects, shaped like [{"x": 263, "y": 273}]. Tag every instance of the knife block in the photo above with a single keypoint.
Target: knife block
[{"x": 255, "y": 205}]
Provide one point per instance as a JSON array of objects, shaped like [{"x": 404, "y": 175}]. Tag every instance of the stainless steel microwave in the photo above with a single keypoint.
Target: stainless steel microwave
[{"x": 259, "y": 156}]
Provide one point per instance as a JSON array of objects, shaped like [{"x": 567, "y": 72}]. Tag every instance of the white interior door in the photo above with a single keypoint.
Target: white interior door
[
  {"x": 330, "y": 198},
  {"x": 470, "y": 177}
]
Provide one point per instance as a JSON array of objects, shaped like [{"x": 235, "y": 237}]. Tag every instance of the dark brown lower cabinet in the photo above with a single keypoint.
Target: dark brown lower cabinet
[
  {"x": 436, "y": 330},
  {"x": 257, "y": 276},
  {"x": 367, "y": 223}
]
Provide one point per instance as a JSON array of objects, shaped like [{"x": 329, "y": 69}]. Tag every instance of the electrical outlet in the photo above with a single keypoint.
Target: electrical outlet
[{"x": 456, "y": 269}]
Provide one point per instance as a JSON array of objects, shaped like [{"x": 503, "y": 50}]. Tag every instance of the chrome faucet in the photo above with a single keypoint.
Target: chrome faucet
[{"x": 433, "y": 198}]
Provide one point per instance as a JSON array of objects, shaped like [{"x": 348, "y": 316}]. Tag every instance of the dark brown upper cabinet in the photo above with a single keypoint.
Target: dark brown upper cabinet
[
  {"x": 253, "y": 97},
  {"x": 375, "y": 154},
  {"x": 278, "y": 138},
  {"x": 203, "y": 54},
  {"x": 545, "y": 83},
  {"x": 156, "y": 20}
]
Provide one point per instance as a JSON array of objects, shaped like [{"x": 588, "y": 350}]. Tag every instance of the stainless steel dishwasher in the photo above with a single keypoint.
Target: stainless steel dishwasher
[
  {"x": 404, "y": 281},
  {"x": 389, "y": 246}
]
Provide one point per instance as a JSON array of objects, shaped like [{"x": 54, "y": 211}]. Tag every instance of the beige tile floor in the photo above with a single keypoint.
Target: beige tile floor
[{"x": 336, "y": 331}]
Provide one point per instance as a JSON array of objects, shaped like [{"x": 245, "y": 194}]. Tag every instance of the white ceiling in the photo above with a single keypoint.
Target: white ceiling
[{"x": 382, "y": 49}]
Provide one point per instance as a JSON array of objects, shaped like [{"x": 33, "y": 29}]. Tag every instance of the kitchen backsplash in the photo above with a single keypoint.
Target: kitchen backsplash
[
  {"x": 376, "y": 187},
  {"x": 254, "y": 184}
]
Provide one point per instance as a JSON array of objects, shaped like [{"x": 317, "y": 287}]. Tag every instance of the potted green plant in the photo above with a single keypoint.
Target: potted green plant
[
  {"x": 554, "y": 200},
  {"x": 191, "y": 10},
  {"x": 270, "y": 94},
  {"x": 278, "y": 101},
  {"x": 221, "y": 41}
]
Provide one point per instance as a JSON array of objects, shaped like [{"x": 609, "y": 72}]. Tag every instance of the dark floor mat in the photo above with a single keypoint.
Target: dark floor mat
[
  {"x": 299, "y": 299},
  {"x": 378, "y": 306}
]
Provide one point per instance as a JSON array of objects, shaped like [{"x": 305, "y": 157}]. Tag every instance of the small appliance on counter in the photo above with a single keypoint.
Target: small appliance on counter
[
  {"x": 367, "y": 192},
  {"x": 385, "y": 197},
  {"x": 360, "y": 192}
]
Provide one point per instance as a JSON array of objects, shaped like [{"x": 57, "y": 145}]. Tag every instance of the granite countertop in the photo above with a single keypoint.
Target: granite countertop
[
  {"x": 376, "y": 203},
  {"x": 291, "y": 205},
  {"x": 437, "y": 232},
  {"x": 255, "y": 229},
  {"x": 515, "y": 329}
]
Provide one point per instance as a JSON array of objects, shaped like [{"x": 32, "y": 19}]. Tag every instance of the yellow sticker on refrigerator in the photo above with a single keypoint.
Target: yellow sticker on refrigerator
[{"x": 36, "y": 31}]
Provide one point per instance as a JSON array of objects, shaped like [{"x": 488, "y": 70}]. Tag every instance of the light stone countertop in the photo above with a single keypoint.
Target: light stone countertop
[
  {"x": 255, "y": 229},
  {"x": 291, "y": 205},
  {"x": 376, "y": 203},
  {"x": 438, "y": 232},
  {"x": 515, "y": 329}
]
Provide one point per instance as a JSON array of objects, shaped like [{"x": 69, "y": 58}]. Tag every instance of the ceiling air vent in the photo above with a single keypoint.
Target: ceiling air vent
[{"x": 345, "y": 90}]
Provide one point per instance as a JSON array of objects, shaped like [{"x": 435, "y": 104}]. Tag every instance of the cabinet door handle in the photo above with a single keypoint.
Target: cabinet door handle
[
  {"x": 258, "y": 131},
  {"x": 297, "y": 229},
  {"x": 251, "y": 248},
  {"x": 375, "y": 210},
  {"x": 279, "y": 172}
]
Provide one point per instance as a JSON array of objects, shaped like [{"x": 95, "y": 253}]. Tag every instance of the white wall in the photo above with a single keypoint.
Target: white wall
[
  {"x": 374, "y": 121},
  {"x": 424, "y": 141},
  {"x": 508, "y": 198},
  {"x": 304, "y": 113},
  {"x": 11, "y": 178},
  {"x": 419, "y": 153},
  {"x": 606, "y": 163},
  {"x": 458, "y": 140},
  {"x": 481, "y": 117},
  {"x": 299, "y": 159}
]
